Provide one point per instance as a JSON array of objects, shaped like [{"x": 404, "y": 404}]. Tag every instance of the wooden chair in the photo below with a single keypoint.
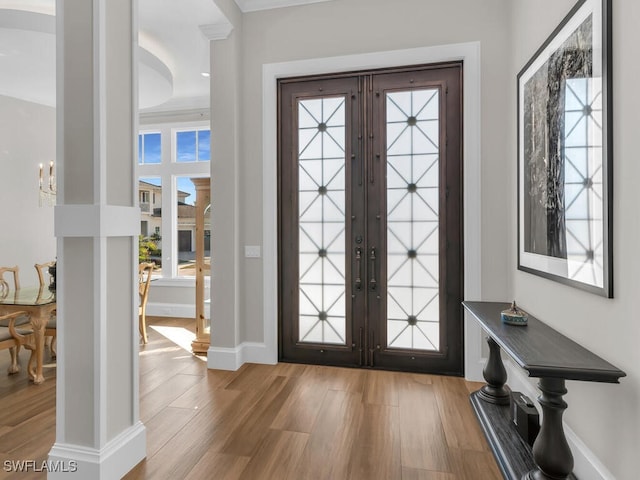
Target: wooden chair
[
  {"x": 5, "y": 286},
  {"x": 50, "y": 332},
  {"x": 144, "y": 282},
  {"x": 12, "y": 337},
  {"x": 10, "y": 277},
  {"x": 43, "y": 272}
]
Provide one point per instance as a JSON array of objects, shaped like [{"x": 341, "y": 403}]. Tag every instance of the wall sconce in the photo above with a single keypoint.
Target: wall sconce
[{"x": 47, "y": 193}]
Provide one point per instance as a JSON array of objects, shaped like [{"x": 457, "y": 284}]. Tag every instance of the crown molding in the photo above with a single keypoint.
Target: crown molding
[
  {"x": 256, "y": 5},
  {"x": 177, "y": 115}
]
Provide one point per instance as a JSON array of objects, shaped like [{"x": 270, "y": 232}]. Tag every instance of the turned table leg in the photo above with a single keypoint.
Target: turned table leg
[
  {"x": 15, "y": 362},
  {"x": 496, "y": 376},
  {"x": 39, "y": 323},
  {"x": 551, "y": 452}
]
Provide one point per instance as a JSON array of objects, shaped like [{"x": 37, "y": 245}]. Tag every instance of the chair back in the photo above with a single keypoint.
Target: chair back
[
  {"x": 6, "y": 272},
  {"x": 144, "y": 281},
  {"x": 43, "y": 269}
]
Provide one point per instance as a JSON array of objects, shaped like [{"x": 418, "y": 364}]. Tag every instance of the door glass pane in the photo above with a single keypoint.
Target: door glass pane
[
  {"x": 321, "y": 199},
  {"x": 412, "y": 219}
]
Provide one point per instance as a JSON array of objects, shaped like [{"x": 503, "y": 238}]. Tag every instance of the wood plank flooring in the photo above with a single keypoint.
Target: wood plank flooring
[{"x": 284, "y": 421}]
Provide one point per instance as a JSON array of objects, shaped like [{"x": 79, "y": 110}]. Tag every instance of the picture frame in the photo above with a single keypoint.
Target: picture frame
[{"x": 565, "y": 153}]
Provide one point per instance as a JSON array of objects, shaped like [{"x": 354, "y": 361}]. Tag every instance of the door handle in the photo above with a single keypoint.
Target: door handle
[
  {"x": 373, "y": 283},
  {"x": 358, "y": 282}
]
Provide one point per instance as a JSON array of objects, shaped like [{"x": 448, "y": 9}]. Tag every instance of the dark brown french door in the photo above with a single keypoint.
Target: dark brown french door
[{"x": 370, "y": 222}]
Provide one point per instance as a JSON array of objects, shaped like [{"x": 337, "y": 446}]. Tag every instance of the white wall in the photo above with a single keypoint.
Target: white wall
[
  {"x": 27, "y": 138},
  {"x": 605, "y": 417},
  {"x": 349, "y": 27}
]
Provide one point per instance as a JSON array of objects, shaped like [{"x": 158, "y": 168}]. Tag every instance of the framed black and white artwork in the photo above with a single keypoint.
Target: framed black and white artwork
[{"x": 565, "y": 153}]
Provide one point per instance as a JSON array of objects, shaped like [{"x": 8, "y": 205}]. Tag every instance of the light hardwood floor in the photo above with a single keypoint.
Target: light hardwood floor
[{"x": 271, "y": 422}]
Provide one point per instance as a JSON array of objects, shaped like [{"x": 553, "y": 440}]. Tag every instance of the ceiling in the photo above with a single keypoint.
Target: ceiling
[{"x": 172, "y": 57}]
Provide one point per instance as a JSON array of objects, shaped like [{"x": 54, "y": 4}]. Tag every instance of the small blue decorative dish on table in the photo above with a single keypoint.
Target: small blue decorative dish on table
[{"x": 514, "y": 316}]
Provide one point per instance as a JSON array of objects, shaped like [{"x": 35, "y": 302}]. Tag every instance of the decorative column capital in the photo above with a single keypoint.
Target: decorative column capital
[{"x": 217, "y": 31}]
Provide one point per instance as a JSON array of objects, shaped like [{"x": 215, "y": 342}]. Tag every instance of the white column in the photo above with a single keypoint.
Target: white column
[
  {"x": 225, "y": 351},
  {"x": 97, "y": 221}
]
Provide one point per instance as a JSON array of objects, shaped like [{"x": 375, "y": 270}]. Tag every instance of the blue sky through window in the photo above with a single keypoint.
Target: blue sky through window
[
  {"x": 149, "y": 148},
  {"x": 152, "y": 180},
  {"x": 186, "y": 146},
  {"x": 186, "y": 185},
  {"x": 193, "y": 146},
  {"x": 204, "y": 145}
]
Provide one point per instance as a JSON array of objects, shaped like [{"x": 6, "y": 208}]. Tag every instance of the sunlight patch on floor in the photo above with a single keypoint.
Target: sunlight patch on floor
[
  {"x": 178, "y": 335},
  {"x": 158, "y": 351}
]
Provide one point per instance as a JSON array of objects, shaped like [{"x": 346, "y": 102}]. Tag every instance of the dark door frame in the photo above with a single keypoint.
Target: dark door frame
[{"x": 455, "y": 201}]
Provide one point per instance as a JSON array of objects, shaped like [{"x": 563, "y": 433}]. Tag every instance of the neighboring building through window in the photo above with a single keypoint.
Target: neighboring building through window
[
  {"x": 185, "y": 191},
  {"x": 144, "y": 199},
  {"x": 150, "y": 244}
]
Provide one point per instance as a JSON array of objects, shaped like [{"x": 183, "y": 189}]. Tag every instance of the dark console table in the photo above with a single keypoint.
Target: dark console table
[{"x": 553, "y": 358}]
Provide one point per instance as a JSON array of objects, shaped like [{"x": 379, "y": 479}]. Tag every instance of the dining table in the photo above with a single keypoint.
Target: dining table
[{"x": 39, "y": 303}]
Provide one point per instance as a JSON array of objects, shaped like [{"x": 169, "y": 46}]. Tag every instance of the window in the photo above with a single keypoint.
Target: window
[
  {"x": 149, "y": 148},
  {"x": 186, "y": 227},
  {"x": 193, "y": 146},
  {"x": 167, "y": 195},
  {"x": 144, "y": 200},
  {"x": 150, "y": 244}
]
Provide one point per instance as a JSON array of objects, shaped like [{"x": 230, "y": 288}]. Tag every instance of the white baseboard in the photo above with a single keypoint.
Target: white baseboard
[
  {"x": 473, "y": 340},
  {"x": 179, "y": 310},
  {"x": 111, "y": 462},
  {"x": 586, "y": 465},
  {"x": 255, "y": 352},
  {"x": 473, "y": 370},
  {"x": 221, "y": 358}
]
